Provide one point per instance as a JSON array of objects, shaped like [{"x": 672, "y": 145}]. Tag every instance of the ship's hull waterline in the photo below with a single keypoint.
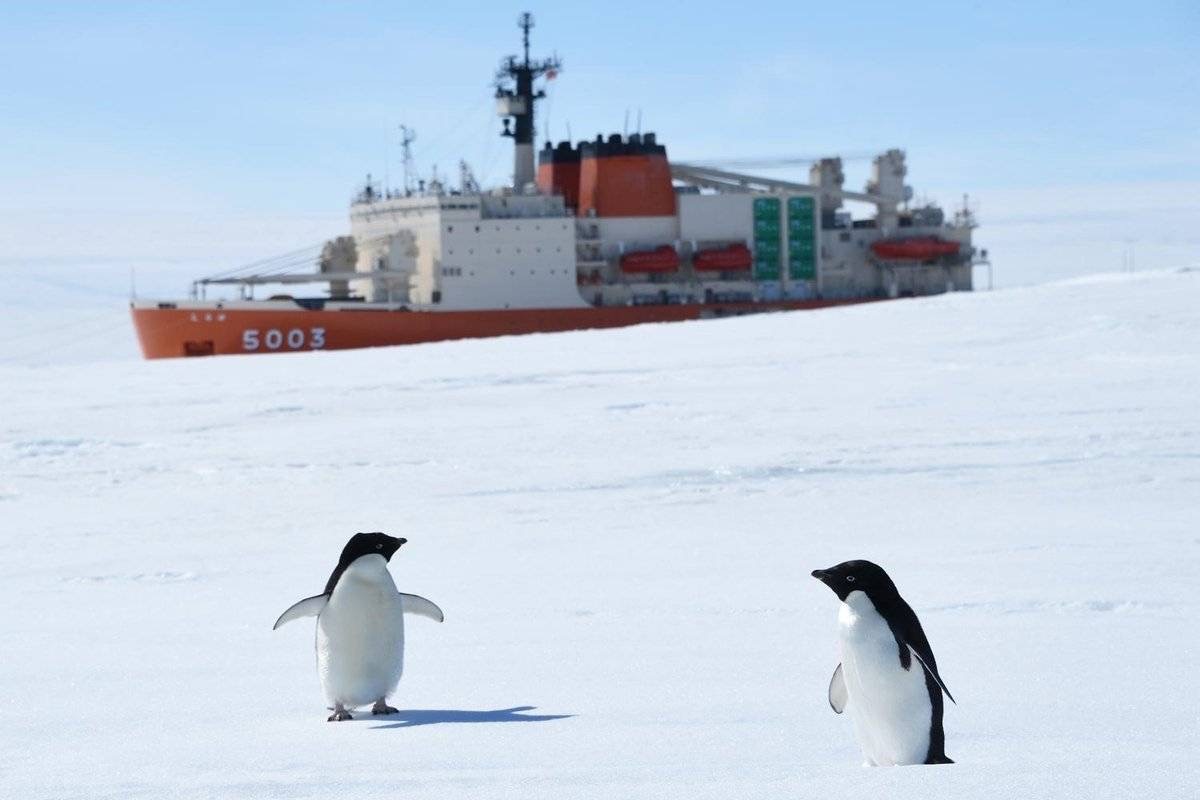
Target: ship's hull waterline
[{"x": 214, "y": 329}]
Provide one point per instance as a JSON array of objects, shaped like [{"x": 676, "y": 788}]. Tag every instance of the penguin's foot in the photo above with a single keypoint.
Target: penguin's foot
[
  {"x": 381, "y": 707},
  {"x": 340, "y": 714}
]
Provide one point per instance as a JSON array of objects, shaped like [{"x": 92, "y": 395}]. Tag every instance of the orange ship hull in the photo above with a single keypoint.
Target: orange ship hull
[{"x": 167, "y": 331}]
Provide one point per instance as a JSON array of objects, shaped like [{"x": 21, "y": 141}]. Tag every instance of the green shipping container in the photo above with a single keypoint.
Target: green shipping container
[
  {"x": 802, "y": 244},
  {"x": 802, "y": 270},
  {"x": 768, "y": 239},
  {"x": 767, "y": 271},
  {"x": 766, "y": 208},
  {"x": 767, "y": 230}
]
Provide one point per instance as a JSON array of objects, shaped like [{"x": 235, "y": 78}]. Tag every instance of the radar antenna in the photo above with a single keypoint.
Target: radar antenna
[{"x": 515, "y": 99}]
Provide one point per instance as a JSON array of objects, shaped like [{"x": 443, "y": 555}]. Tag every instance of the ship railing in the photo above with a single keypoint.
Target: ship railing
[{"x": 248, "y": 282}]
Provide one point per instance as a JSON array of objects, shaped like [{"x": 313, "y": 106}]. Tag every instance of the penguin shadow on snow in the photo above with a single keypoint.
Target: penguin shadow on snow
[
  {"x": 410, "y": 718},
  {"x": 360, "y": 640}
]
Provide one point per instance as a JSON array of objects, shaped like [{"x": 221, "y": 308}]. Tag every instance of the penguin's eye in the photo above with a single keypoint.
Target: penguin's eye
[
  {"x": 379, "y": 546},
  {"x": 850, "y": 578}
]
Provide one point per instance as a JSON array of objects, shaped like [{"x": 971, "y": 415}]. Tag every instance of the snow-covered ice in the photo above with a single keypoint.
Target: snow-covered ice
[{"x": 619, "y": 526}]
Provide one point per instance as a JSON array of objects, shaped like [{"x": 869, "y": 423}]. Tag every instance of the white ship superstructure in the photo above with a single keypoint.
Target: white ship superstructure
[{"x": 598, "y": 233}]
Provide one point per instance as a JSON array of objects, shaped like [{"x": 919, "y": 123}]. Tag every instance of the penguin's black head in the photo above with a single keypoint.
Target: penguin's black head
[
  {"x": 856, "y": 576},
  {"x": 368, "y": 544},
  {"x": 363, "y": 544}
]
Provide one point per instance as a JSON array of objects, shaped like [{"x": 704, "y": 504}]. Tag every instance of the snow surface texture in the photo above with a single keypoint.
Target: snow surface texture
[{"x": 619, "y": 526}]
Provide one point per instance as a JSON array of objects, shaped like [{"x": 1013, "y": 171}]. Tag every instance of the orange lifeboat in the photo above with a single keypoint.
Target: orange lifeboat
[
  {"x": 732, "y": 257},
  {"x": 660, "y": 259},
  {"x": 923, "y": 248}
]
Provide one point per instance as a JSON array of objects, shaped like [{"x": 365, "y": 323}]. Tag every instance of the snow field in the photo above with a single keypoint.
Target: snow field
[{"x": 619, "y": 526}]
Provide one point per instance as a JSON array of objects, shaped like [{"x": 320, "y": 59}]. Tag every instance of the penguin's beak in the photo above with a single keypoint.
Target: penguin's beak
[
  {"x": 820, "y": 574},
  {"x": 402, "y": 542}
]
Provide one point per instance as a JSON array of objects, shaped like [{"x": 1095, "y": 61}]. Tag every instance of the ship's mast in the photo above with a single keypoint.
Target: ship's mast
[
  {"x": 515, "y": 99},
  {"x": 407, "y": 137}
]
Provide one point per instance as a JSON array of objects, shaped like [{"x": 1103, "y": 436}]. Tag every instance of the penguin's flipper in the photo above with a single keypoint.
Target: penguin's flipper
[
  {"x": 838, "y": 696},
  {"x": 934, "y": 673},
  {"x": 308, "y": 607},
  {"x": 415, "y": 604}
]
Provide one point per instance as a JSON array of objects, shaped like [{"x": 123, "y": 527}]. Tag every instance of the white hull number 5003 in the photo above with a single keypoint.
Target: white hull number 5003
[{"x": 275, "y": 339}]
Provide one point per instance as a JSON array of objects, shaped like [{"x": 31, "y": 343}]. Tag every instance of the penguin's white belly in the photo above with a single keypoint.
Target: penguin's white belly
[
  {"x": 360, "y": 639},
  {"x": 889, "y": 705}
]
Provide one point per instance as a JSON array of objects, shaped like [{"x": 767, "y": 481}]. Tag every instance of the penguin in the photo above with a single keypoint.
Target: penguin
[
  {"x": 360, "y": 626},
  {"x": 888, "y": 676}
]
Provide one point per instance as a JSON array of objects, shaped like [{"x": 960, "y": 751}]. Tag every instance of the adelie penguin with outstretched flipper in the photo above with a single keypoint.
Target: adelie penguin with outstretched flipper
[
  {"x": 360, "y": 626},
  {"x": 888, "y": 677}
]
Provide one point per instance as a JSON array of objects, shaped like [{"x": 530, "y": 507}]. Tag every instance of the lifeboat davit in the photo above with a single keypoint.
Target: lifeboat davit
[
  {"x": 660, "y": 259},
  {"x": 732, "y": 257},
  {"x": 923, "y": 248}
]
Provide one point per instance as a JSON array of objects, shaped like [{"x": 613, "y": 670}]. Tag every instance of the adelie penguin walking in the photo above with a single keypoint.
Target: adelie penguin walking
[
  {"x": 360, "y": 626},
  {"x": 888, "y": 677}
]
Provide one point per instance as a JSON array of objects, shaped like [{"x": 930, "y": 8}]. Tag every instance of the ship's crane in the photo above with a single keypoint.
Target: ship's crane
[
  {"x": 774, "y": 162},
  {"x": 724, "y": 180},
  {"x": 885, "y": 190}
]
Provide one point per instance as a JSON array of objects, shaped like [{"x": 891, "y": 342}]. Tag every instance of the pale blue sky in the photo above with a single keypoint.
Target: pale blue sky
[{"x": 212, "y": 129}]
